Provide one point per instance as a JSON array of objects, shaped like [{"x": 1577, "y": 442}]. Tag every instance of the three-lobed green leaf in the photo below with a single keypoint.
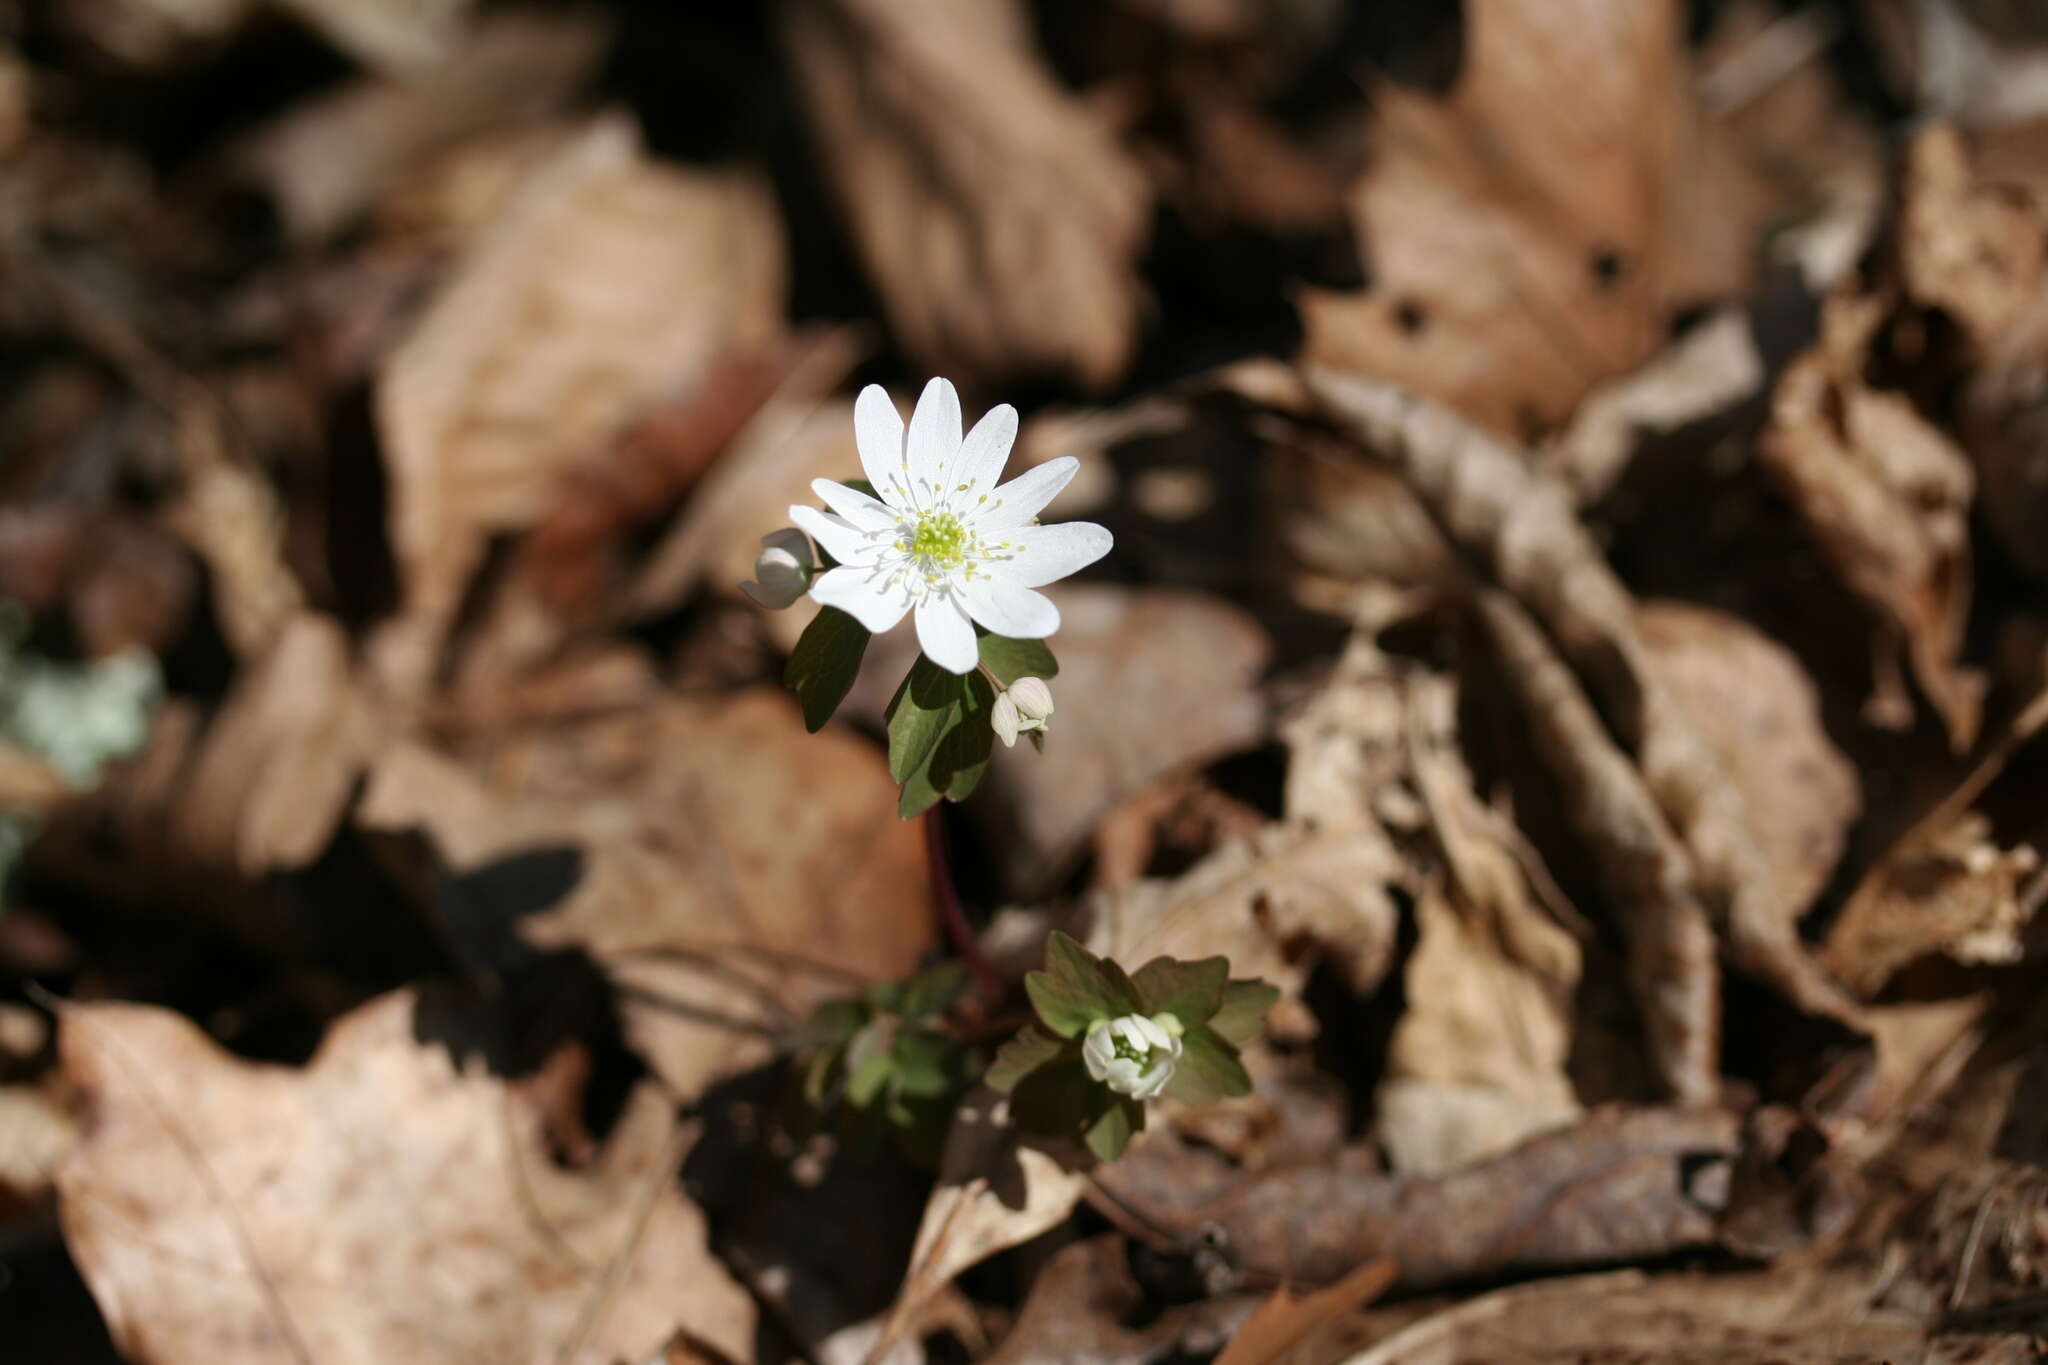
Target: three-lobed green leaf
[{"x": 1189, "y": 991}]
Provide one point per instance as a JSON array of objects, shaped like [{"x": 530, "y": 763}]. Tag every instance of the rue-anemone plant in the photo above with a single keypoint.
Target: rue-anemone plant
[
  {"x": 932, "y": 534},
  {"x": 1105, "y": 1041}
]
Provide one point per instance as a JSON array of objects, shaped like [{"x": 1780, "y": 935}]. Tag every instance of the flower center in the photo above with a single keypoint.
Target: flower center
[
  {"x": 1130, "y": 1052},
  {"x": 939, "y": 540}
]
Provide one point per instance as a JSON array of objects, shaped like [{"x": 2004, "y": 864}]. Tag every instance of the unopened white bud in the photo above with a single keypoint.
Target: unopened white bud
[
  {"x": 782, "y": 572},
  {"x": 1033, "y": 699},
  {"x": 1004, "y": 720},
  {"x": 1023, "y": 706}
]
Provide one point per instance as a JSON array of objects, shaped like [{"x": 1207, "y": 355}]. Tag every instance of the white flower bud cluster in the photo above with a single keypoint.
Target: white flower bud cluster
[
  {"x": 1025, "y": 705},
  {"x": 1133, "y": 1055}
]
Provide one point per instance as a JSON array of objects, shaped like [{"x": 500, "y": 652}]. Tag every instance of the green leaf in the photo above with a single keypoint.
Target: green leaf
[
  {"x": 1067, "y": 960},
  {"x": 933, "y": 990},
  {"x": 1111, "y": 1131},
  {"x": 1029, "y": 1050},
  {"x": 1056, "y": 1100},
  {"x": 1242, "y": 1015},
  {"x": 1189, "y": 991},
  {"x": 1064, "y": 1008},
  {"x": 954, "y": 765},
  {"x": 868, "y": 1063},
  {"x": 824, "y": 663},
  {"x": 926, "y": 703},
  {"x": 865, "y": 1081},
  {"x": 923, "y": 1064},
  {"x": 1077, "y": 988},
  {"x": 1208, "y": 1070},
  {"x": 1011, "y": 659}
]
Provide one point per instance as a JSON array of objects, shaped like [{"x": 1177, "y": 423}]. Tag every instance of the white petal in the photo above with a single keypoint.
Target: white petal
[
  {"x": 945, "y": 636},
  {"x": 863, "y": 594},
  {"x": 856, "y": 506},
  {"x": 841, "y": 540},
  {"x": 1046, "y": 554},
  {"x": 1002, "y": 718},
  {"x": 934, "y": 441},
  {"x": 1024, "y": 497},
  {"x": 982, "y": 457},
  {"x": 878, "y": 431},
  {"x": 1007, "y": 609}
]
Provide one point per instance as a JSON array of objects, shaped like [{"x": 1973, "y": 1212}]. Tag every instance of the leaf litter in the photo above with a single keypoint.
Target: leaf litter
[{"x": 1574, "y": 632}]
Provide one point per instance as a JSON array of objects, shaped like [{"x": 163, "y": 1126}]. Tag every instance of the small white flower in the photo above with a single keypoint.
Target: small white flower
[
  {"x": 783, "y": 569},
  {"x": 1133, "y": 1055},
  {"x": 944, "y": 540},
  {"x": 1025, "y": 704}
]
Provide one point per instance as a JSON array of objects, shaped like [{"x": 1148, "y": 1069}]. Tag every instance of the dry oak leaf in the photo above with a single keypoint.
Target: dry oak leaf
[
  {"x": 608, "y": 284},
  {"x": 379, "y": 1207},
  {"x": 998, "y": 217},
  {"x": 732, "y": 867},
  {"x": 1529, "y": 235},
  {"x": 1886, "y": 496}
]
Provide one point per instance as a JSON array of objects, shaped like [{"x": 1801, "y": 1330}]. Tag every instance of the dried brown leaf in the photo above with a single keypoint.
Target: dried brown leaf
[
  {"x": 381, "y": 1205},
  {"x": 1000, "y": 221},
  {"x": 1528, "y": 235},
  {"x": 996, "y": 1189},
  {"x": 608, "y": 284},
  {"x": 327, "y": 160},
  {"x": 732, "y": 868},
  {"x": 1121, "y": 651},
  {"x": 1886, "y": 496}
]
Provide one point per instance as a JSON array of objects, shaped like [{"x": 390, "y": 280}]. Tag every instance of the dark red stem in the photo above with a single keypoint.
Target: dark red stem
[{"x": 953, "y": 915}]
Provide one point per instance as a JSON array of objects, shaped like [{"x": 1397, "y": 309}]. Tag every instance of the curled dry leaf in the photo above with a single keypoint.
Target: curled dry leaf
[
  {"x": 1946, "y": 886},
  {"x": 997, "y": 1188},
  {"x": 1477, "y": 1061},
  {"x": 1712, "y": 368},
  {"x": 1524, "y": 245},
  {"x": 729, "y": 869},
  {"x": 326, "y": 161},
  {"x": 1651, "y": 793},
  {"x": 607, "y": 284},
  {"x": 271, "y": 778},
  {"x": 1977, "y": 249},
  {"x": 1000, "y": 221},
  {"x": 1887, "y": 497},
  {"x": 381, "y": 1205},
  {"x": 1674, "y": 971},
  {"x": 1125, "y": 651}
]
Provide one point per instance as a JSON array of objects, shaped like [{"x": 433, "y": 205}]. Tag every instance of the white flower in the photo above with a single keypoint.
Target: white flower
[
  {"x": 944, "y": 540},
  {"x": 783, "y": 569},
  {"x": 1026, "y": 704},
  {"x": 1133, "y": 1055}
]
